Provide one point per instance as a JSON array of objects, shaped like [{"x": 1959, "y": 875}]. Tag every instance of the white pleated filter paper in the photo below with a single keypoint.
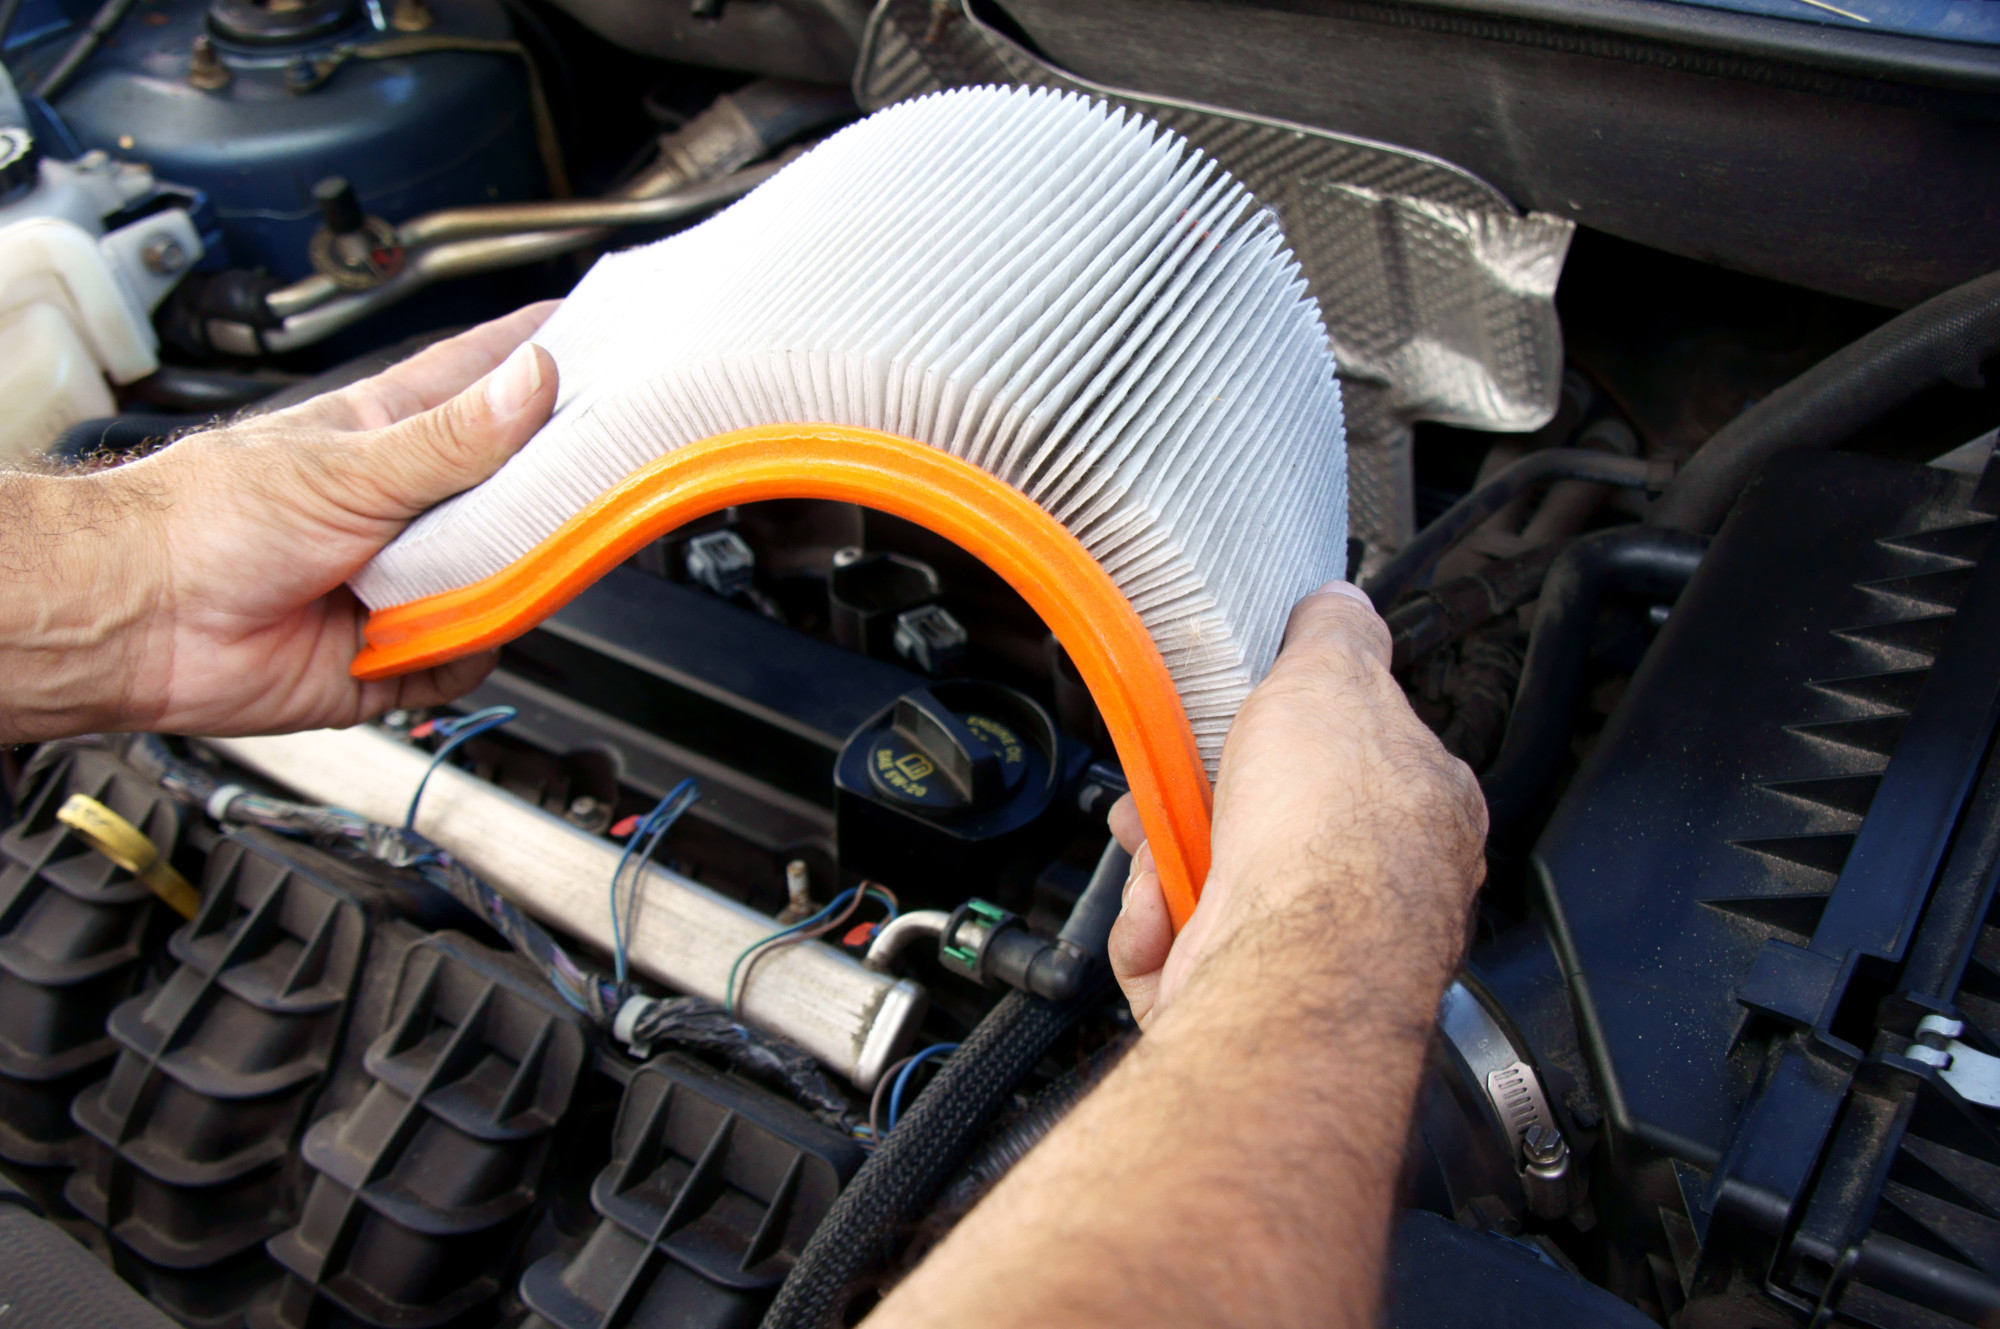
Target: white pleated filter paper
[{"x": 1067, "y": 296}]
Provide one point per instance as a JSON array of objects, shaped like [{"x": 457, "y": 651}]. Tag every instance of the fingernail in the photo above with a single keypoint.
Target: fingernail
[
  {"x": 518, "y": 378},
  {"x": 1348, "y": 589}
]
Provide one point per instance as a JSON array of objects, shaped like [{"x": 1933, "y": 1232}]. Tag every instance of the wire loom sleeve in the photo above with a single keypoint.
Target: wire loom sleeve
[
  {"x": 860, "y": 1234},
  {"x": 47, "y": 1281}
]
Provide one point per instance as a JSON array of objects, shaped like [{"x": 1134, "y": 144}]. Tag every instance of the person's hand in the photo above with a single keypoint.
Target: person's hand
[
  {"x": 211, "y": 573},
  {"x": 1346, "y": 852},
  {"x": 1335, "y": 807}
]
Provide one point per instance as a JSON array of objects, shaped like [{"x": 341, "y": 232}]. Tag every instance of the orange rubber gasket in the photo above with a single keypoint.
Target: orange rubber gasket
[{"x": 988, "y": 518}]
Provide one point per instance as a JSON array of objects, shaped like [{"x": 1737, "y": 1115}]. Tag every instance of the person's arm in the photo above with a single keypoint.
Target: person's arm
[
  {"x": 1239, "y": 1165},
  {"x": 199, "y": 590}
]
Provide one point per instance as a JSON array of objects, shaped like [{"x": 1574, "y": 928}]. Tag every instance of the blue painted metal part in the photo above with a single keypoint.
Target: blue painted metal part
[
  {"x": 413, "y": 133},
  {"x": 1975, "y": 21}
]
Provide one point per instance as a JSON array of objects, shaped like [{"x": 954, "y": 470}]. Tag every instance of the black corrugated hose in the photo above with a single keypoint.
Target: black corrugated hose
[
  {"x": 904, "y": 1176},
  {"x": 1627, "y": 558},
  {"x": 1947, "y": 337},
  {"x": 1011, "y": 1138},
  {"x": 893, "y": 1189},
  {"x": 48, "y": 1281}
]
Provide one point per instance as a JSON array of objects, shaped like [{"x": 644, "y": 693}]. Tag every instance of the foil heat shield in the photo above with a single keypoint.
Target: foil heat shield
[{"x": 1437, "y": 292}]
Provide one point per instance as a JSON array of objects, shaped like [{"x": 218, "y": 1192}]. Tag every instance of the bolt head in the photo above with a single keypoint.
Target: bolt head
[
  {"x": 1542, "y": 1144},
  {"x": 205, "y": 68},
  {"x": 163, "y": 255}
]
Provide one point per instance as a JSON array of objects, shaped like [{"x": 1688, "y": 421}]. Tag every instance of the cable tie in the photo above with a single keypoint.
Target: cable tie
[
  {"x": 218, "y": 803},
  {"x": 629, "y": 1015}
]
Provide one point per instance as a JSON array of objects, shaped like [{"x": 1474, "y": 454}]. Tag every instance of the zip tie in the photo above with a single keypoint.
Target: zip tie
[{"x": 218, "y": 803}]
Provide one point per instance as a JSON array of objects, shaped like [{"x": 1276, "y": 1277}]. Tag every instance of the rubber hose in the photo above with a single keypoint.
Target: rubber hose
[
  {"x": 1944, "y": 338},
  {"x": 1077, "y": 959},
  {"x": 1629, "y": 558},
  {"x": 1452, "y": 610},
  {"x": 898, "y": 1183},
  {"x": 780, "y": 110},
  {"x": 1414, "y": 559}
]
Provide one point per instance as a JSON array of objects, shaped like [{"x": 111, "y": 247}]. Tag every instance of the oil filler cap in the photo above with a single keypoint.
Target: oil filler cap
[
  {"x": 20, "y": 161},
  {"x": 936, "y": 758},
  {"x": 946, "y": 787}
]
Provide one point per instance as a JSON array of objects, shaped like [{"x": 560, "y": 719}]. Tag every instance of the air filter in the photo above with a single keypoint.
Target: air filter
[{"x": 1048, "y": 330}]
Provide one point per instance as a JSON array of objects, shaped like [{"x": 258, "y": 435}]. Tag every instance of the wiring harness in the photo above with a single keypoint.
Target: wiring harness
[{"x": 639, "y": 1020}]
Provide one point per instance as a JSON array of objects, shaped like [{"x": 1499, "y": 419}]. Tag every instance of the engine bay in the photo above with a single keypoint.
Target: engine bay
[{"x": 581, "y": 1002}]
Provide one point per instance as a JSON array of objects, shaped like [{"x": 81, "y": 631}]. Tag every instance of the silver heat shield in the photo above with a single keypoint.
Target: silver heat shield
[{"x": 1438, "y": 294}]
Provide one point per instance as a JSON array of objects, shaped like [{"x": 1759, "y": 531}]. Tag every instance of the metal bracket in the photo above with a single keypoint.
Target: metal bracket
[{"x": 1973, "y": 1075}]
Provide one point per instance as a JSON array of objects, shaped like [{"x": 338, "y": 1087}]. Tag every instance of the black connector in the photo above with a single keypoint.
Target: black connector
[
  {"x": 339, "y": 206},
  {"x": 993, "y": 947}
]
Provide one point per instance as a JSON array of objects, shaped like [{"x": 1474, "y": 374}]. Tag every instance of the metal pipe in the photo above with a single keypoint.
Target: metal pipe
[
  {"x": 853, "y": 1020},
  {"x": 512, "y": 218},
  {"x": 108, "y": 16},
  {"x": 903, "y": 932},
  {"x": 424, "y": 268},
  {"x": 315, "y": 310},
  {"x": 303, "y": 294},
  {"x": 694, "y": 169}
]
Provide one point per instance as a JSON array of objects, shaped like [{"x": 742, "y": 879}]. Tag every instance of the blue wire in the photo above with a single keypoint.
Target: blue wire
[
  {"x": 903, "y": 1080},
  {"x": 839, "y": 901},
  {"x": 652, "y": 828},
  {"x": 456, "y": 731}
]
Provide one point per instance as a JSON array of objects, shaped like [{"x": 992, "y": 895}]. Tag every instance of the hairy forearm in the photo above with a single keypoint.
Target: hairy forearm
[
  {"x": 77, "y": 586},
  {"x": 1239, "y": 1167}
]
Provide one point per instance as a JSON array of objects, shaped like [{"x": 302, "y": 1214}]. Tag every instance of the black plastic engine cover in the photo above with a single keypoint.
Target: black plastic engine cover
[
  {"x": 422, "y": 1189},
  {"x": 713, "y": 1189},
  {"x": 1720, "y": 805},
  {"x": 75, "y": 930}
]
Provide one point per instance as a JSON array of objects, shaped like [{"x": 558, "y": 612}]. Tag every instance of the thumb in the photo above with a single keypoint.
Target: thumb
[
  {"x": 1338, "y": 617},
  {"x": 417, "y": 463}
]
